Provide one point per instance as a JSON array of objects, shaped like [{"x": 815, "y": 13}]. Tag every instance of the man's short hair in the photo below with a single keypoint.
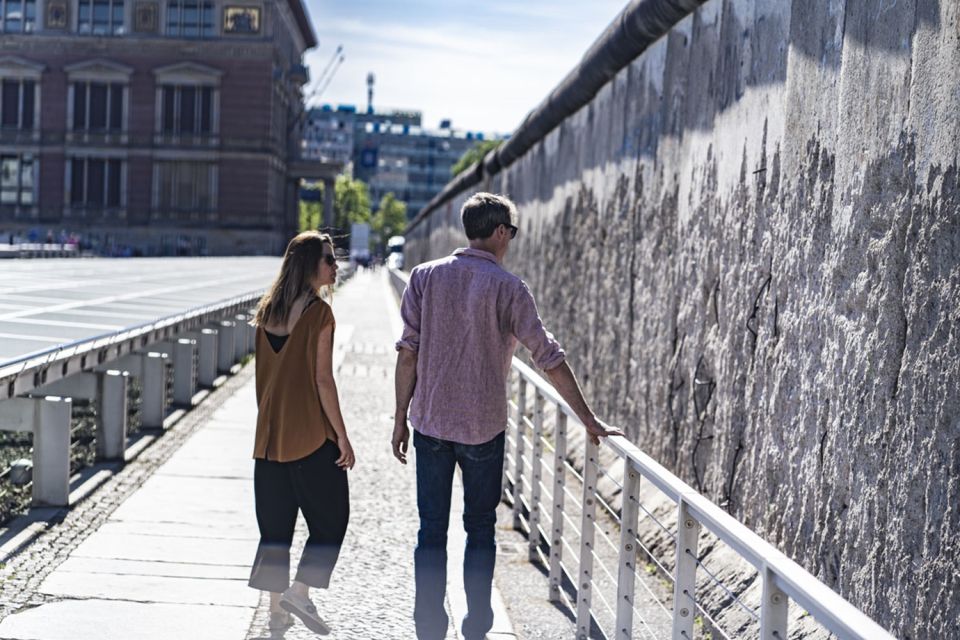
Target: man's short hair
[{"x": 483, "y": 212}]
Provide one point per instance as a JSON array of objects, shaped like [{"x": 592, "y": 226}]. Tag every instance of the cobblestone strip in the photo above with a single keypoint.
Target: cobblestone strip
[
  {"x": 372, "y": 591},
  {"x": 21, "y": 575}
]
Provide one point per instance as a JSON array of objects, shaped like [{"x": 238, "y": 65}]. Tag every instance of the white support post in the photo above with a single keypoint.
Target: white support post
[
  {"x": 556, "y": 520},
  {"x": 184, "y": 376},
  {"x": 585, "y": 574},
  {"x": 153, "y": 389},
  {"x": 626, "y": 579},
  {"x": 242, "y": 339},
  {"x": 51, "y": 452},
  {"x": 518, "y": 456},
  {"x": 111, "y": 414},
  {"x": 536, "y": 474},
  {"x": 226, "y": 337},
  {"x": 773, "y": 609},
  {"x": 685, "y": 573},
  {"x": 207, "y": 361}
]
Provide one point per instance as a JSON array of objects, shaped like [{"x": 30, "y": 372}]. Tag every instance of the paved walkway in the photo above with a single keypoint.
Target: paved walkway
[{"x": 172, "y": 559}]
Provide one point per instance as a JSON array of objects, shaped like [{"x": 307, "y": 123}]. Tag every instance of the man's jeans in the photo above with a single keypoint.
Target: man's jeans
[{"x": 481, "y": 466}]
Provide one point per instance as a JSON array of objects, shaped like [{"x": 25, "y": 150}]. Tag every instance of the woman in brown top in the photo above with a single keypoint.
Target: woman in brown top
[{"x": 301, "y": 452}]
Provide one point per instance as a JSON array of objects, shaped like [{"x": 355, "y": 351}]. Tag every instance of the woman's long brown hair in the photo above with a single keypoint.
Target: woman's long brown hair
[{"x": 300, "y": 263}]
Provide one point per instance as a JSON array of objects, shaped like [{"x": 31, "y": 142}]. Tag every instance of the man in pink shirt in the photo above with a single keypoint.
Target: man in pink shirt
[{"x": 462, "y": 318}]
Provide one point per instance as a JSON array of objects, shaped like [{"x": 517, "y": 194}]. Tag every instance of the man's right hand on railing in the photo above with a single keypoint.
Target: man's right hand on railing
[
  {"x": 565, "y": 382},
  {"x": 597, "y": 429}
]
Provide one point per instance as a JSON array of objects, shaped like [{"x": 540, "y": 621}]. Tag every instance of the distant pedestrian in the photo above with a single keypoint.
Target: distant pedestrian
[
  {"x": 462, "y": 318},
  {"x": 302, "y": 451}
]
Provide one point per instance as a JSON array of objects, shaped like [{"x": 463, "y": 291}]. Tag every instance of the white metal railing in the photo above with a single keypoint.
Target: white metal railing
[{"x": 564, "y": 533}]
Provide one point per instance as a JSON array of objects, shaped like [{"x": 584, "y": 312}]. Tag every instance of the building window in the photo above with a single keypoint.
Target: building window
[
  {"x": 16, "y": 104},
  {"x": 96, "y": 182},
  {"x": 187, "y": 109},
  {"x": 186, "y": 186},
  {"x": 17, "y": 179},
  {"x": 18, "y": 16},
  {"x": 97, "y": 106},
  {"x": 190, "y": 19},
  {"x": 100, "y": 17}
]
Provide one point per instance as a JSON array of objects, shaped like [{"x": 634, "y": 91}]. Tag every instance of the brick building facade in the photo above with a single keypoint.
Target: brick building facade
[{"x": 163, "y": 126}]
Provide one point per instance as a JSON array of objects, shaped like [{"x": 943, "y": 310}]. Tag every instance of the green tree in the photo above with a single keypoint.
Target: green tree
[
  {"x": 311, "y": 209},
  {"x": 351, "y": 203},
  {"x": 474, "y": 154},
  {"x": 389, "y": 220}
]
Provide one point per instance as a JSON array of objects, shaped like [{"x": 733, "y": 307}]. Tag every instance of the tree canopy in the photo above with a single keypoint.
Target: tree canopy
[
  {"x": 351, "y": 202},
  {"x": 390, "y": 218},
  {"x": 474, "y": 154}
]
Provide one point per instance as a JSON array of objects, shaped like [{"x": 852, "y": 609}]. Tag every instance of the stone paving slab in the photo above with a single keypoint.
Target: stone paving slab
[
  {"x": 112, "y": 566},
  {"x": 171, "y": 498},
  {"x": 180, "y": 530},
  {"x": 167, "y": 549},
  {"x": 118, "y": 620},
  {"x": 152, "y": 588}
]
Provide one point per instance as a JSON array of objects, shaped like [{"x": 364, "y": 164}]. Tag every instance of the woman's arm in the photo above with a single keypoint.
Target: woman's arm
[{"x": 327, "y": 389}]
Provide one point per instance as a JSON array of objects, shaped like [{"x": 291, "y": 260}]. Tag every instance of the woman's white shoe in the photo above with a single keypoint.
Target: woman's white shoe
[{"x": 305, "y": 610}]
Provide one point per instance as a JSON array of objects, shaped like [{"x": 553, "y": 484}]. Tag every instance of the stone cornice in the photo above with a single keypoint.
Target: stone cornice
[
  {"x": 188, "y": 73},
  {"x": 17, "y": 67},
  {"x": 41, "y": 45},
  {"x": 98, "y": 69}
]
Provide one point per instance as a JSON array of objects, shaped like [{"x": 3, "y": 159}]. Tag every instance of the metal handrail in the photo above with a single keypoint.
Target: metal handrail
[{"x": 782, "y": 578}]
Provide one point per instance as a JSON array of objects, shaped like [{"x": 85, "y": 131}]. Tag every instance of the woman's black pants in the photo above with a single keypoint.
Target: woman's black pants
[{"x": 317, "y": 487}]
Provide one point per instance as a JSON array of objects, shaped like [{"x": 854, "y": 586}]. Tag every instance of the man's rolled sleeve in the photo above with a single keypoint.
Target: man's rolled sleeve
[
  {"x": 410, "y": 313},
  {"x": 529, "y": 330}
]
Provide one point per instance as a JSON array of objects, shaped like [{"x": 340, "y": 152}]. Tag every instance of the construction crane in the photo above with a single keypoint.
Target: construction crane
[{"x": 323, "y": 80}]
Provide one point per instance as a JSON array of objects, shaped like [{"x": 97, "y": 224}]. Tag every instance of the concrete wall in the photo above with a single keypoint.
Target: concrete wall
[{"x": 749, "y": 243}]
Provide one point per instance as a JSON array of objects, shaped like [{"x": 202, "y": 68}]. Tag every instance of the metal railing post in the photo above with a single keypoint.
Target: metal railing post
[
  {"x": 518, "y": 455},
  {"x": 241, "y": 341},
  {"x": 685, "y": 573},
  {"x": 536, "y": 473},
  {"x": 111, "y": 436},
  {"x": 626, "y": 578},
  {"x": 556, "y": 520},
  {"x": 153, "y": 389},
  {"x": 51, "y": 452},
  {"x": 585, "y": 573},
  {"x": 184, "y": 376},
  {"x": 773, "y": 610},
  {"x": 207, "y": 360},
  {"x": 226, "y": 335}
]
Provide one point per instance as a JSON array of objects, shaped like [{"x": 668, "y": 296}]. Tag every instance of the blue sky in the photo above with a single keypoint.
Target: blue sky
[{"x": 482, "y": 64}]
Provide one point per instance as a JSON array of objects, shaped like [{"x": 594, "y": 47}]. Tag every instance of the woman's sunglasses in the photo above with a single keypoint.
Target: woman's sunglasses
[{"x": 329, "y": 258}]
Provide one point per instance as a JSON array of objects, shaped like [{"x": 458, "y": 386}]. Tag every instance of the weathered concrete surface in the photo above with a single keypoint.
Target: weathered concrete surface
[{"x": 749, "y": 243}]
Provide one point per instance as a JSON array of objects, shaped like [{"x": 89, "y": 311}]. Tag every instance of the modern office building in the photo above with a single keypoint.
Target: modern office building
[
  {"x": 161, "y": 126},
  {"x": 389, "y": 150}
]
